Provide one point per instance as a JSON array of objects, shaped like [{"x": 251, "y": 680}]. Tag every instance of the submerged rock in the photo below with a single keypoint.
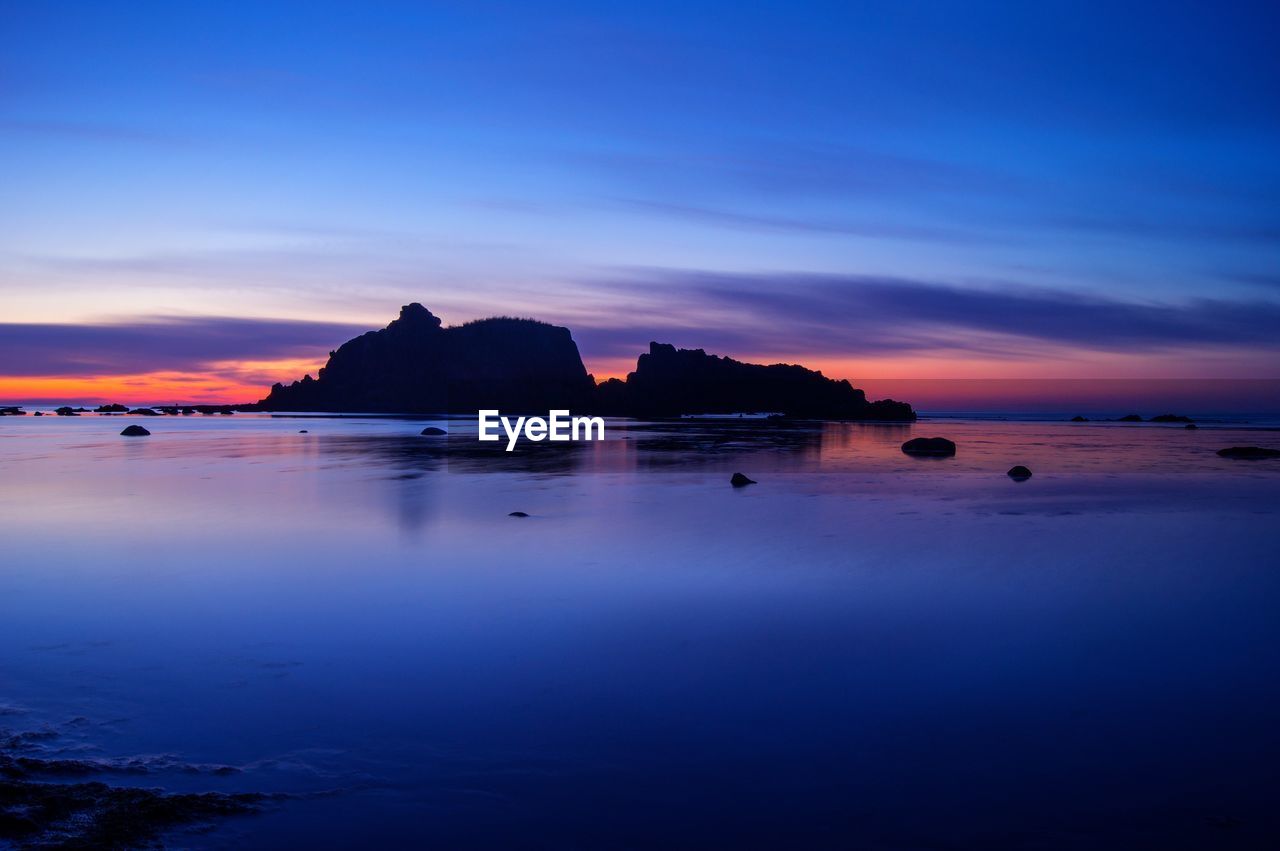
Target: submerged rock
[
  {"x": 135, "y": 431},
  {"x": 738, "y": 480},
  {"x": 1019, "y": 473},
  {"x": 95, "y": 815},
  {"x": 47, "y": 802},
  {"x": 517, "y": 514},
  {"x": 432, "y": 431},
  {"x": 934, "y": 446},
  {"x": 39, "y": 814},
  {"x": 1079, "y": 419},
  {"x": 1251, "y": 453},
  {"x": 1191, "y": 425}
]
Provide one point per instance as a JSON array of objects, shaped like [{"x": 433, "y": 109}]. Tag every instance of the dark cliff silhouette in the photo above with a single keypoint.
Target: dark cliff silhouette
[
  {"x": 415, "y": 366},
  {"x": 670, "y": 381},
  {"x": 518, "y": 365}
]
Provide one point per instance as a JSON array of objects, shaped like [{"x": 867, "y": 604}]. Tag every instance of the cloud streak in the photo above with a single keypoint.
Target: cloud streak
[
  {"x": 161, "y": 343},
  {"x": 802, "y": 224},
  {"x": 796, "y": 316},
  {"x": 861, "y": 315}
]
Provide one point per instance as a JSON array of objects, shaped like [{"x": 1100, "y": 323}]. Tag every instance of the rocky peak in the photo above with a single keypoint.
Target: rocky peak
[{"x": 416, "y": 316}]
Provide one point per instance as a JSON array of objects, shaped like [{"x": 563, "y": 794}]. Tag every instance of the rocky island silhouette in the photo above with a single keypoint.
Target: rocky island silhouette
[{"x": 416, "y": 365}]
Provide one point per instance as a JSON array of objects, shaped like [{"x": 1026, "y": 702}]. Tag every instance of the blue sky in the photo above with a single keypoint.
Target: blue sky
[{"x": 598, "y": 164}]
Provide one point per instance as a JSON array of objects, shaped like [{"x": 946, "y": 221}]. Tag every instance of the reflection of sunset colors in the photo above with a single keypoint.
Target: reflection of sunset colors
[{"x": 1024, "y": 192}]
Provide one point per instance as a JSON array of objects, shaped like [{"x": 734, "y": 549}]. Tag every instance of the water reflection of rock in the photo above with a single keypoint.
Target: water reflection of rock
[
  {"x": 410, "y": 460},
  {"x": 413, "y": 495},
  {"x": 401, "y": 457}
]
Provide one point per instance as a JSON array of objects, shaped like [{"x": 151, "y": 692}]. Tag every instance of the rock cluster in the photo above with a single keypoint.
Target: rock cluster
[{"x": 415, "y": 365}]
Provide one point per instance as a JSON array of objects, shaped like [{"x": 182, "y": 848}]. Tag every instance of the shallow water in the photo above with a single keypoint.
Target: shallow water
[{"x": 862, "y": 650}]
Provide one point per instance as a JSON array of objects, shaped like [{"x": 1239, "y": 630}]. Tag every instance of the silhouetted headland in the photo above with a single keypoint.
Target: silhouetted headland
[
  {"x": 670, "y": 381},
  {"x": 415, "y": 365}
]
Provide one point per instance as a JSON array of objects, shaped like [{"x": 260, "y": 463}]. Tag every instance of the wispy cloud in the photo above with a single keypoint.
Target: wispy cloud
[
  {"x": 154, "y": 344},
  {"x": 859, "y": 315},
  {"x": 1258, "y": 279},
  {"x": 794, "y": 315},
  {"x": 802, "y": 224},
  {"x": 773, "y": 170},
  {"x": 1171, "y": 229}
]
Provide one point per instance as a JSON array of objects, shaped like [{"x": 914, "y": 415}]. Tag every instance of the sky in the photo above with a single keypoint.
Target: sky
[{"x": 200, "y": 199}]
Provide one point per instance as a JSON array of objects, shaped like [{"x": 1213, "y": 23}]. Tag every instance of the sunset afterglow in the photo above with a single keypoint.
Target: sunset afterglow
[{"x": 198, "y": 215}]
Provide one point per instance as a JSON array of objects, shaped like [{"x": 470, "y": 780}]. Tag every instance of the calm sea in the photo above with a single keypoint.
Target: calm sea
[{"x": 863, "y": 650}]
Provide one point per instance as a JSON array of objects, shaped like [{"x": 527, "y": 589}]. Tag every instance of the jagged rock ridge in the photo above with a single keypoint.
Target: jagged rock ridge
[
  {"x": 670, "y": 381},
  {"x": 415, "y": 365}
]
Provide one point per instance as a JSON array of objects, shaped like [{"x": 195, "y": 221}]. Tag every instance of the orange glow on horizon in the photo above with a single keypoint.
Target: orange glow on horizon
[
  {"x": 223, "y": 383},
  {"x": 945, "y": 381},
  {"x": 147, "y": 388}
]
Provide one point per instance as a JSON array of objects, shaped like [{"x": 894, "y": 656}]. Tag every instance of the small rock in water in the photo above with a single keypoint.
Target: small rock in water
[
  {"x": 302, "y": 431},
  {"x": 1019, "y": 473},
  {"x": 517, "y": 514},
  {"x": 1170, "y": 418},
  {"x": 1131, "y": 418},
  {"x": 1249, "y": 452},
  {"x": 1191, "y": 425},
  {"x": 936, "y": 446},
  {"x": 134, "y": 431},
  {"x": 432, "y": 431},
  {"x": 1079, "y": 419},
  {"x": 740, "y": 480}
]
